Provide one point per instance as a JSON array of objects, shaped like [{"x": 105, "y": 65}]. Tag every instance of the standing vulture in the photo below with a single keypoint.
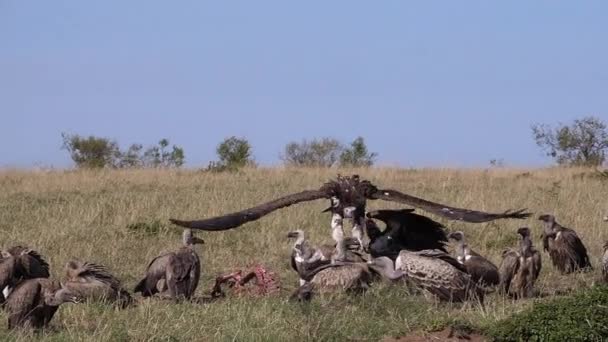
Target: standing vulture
[
  {"x": 567, "y": 252},
  {"x": 438, "y": 273},
  {"x": 90, "y": 281},
  {"x": 404, "y": 230},
  {"x": 348, "y": 196},
  {"x": 33, "y": 303},
  {"x": 19, "y": 263},
  {"x": 482, "y": 271},
  {"x": 520, "y": 267},
  {"x": 176, "y": 272}
]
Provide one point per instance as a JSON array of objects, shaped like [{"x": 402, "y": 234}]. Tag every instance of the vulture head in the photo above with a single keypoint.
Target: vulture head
[
  {"x": 548, "y": 219},
  {"x": 59, "y": 297},
  {"x": 456, "y": 236},
  {"x": 606, "y": 246},
  {"x": 524, "y": 232},
  {"x": 189, "y": 239}
]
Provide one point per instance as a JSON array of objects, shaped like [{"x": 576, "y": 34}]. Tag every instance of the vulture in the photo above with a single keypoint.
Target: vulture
[
  {"x": 438, "y": 273},
  {"x": 520, "y": 267},
  {"x": 404, "y": 230},
  {"x": 306, "y": 257},
  {"x": 33, "y": 303},
  {"x": 19, "y": 263},
  {"x": 350, "y": 277},
  {"x": 90, "y": 281},
  {"x": 605, "y": 263},
  {"x": 482, "y": 271},
  {"x": 176, "y": 272},
  {"x": 348, "y": 196},
  {"x": 567, "y": 252}
]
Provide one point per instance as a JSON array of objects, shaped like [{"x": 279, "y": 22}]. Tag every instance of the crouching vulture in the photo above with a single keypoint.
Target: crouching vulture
[
  {"x": 404, "y": 230},
  {"x": 175, "y": 274},
  {"x": 90, "y": 281},
  {"x": 20, "y": 263},
  {"x": 348, "y": 196},
  {"x": 482, "y": 271},
  {"x": 33, "y": 303},
  {"x": 567, "y": 251},
  {"x": 520, "y": 267}
]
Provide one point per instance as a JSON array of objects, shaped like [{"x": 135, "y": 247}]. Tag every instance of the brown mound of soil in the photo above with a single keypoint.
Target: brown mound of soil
[{"x": 447, "y": 335}]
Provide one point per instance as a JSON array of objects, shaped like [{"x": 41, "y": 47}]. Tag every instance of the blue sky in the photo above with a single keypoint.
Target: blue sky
[{"x": 427, "y": 83}]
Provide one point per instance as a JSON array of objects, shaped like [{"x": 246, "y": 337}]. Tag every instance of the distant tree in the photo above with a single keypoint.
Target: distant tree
[
  {"x": 160, "y": 156},
  {"x": 131, "y": 158},
  {"x": 322, "y": 152},
  {"x": 582, "y": 143},
  {"x": 233, "y": 153},
  {"x": 91, "y": 152},
  {"x": 357, "y": 154}
]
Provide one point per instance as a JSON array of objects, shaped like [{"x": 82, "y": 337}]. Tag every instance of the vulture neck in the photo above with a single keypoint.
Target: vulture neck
[
  {"x": 526, "y": 246},
  {"x": 462, "y": 249},
  {"x": 387, "y": 270}
]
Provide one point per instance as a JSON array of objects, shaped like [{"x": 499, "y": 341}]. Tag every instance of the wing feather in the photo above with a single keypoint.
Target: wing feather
[
  {"x": 236, "y": 219},
  {"x": 451, "y": 213}
]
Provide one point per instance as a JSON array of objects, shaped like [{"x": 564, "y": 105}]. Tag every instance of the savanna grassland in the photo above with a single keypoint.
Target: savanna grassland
[{"x": 120, "y": 219}]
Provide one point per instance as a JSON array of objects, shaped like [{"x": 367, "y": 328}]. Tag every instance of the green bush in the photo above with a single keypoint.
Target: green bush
[{"x": 582, "y": 317}]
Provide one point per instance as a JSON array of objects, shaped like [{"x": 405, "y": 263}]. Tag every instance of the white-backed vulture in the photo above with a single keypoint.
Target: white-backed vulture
[
  {"x": 19, "y": 263},
  {"x": 33, "y": 303},
  {"x": 306, "y": 257},
  {"x": 520, "y": 267},
  {"x": 438, "y": 273},
  {"x": 605, "y": 263},
  {"x": 482, "y": 271},
  {"x": 348, "y": 196},
  {"x": 90, "y": 281},
  {"x": 404, "y": 230},
  {"x": 175, "y": 274},
  {"x": 567, "y": 251},
  {"x": 346, "y": 276}
]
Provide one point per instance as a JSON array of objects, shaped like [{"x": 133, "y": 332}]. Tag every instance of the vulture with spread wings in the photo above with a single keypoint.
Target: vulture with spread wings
[{"x": 348, "y": 195}]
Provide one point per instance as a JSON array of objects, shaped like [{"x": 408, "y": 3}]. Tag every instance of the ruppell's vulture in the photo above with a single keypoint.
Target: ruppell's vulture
[
  {"x": 346, "y": 276},
  {"x": 90, "y": 281},
  {"x": 567, "y": 251},
  {"x": 482, "y": 271},
  {"x": 175, "y": 274},
  {"x": 348, "y": 196},
  {"x": 520, "y": 267},
  {"x": 438, "y": 273},
  {"x": 404, "y": 230},
  {"x": 33, "y": 303}
]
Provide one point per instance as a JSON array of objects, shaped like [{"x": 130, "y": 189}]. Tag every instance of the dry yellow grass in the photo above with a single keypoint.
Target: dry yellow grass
[{"x": 85, "y": 214}]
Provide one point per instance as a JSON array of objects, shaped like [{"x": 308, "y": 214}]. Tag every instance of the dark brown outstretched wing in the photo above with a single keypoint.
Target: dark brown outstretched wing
[
  {"x": 446, "y": 211},
  {"x": 234, "y": 220}
]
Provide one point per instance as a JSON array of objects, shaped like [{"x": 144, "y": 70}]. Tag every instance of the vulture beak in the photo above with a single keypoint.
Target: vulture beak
[
  {"x": 199, "y": 241},
  {"x": 451, "y": 236},
  {"x": 293, "y": 235},
  {"x": 328, "y": 209}
]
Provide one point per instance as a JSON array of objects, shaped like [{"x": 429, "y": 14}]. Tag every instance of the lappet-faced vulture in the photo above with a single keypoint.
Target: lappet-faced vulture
[
  {"x": 404, "y": 230},
  {"x": 348, "y": 195},
  {"x": 567, "y": 251}
]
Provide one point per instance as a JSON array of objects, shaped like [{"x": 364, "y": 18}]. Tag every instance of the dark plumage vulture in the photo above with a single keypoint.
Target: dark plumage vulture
[
  {"x": 567, "y": 252},
  {"x": 346, "y": 276},
  {"x": 520, "y": 267},
  {"x": 482, "y": 271},
  {"x": 348, "y": 195},
  {"x": 306, "y": 257},
  {"x": 404, "y": 230},
  {"x": 33, "y": 303},
  {"x": 438, "y": 273},
  {"x": 93, "y": 282},
  {"x": 605, "y": 263},
  {"x": 175, "y": 274},
  {"x": 19, "y": 263}
]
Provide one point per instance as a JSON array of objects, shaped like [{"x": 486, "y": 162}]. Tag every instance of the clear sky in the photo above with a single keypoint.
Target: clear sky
[{"x": 427, "y": 83}]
